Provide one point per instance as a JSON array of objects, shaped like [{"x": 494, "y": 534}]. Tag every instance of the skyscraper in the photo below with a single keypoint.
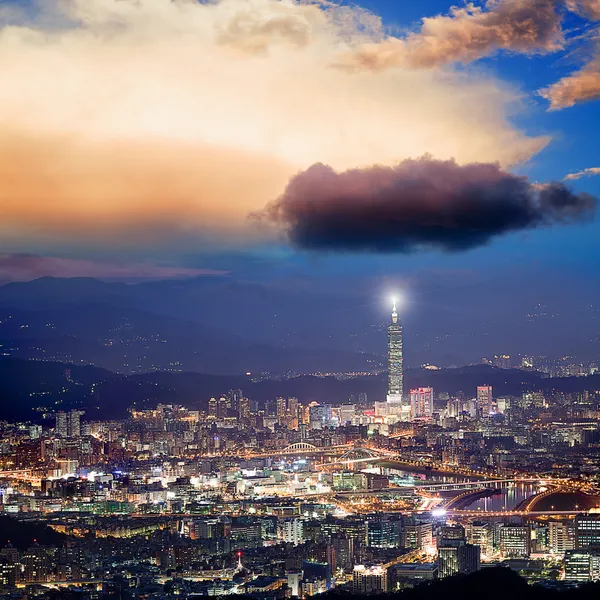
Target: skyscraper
[
  {"x": 395, "y": 370},
  {"x": 421, "y": 403},
  {"x": 68, "y": 424},
  {"x": 484, "y": 399}
]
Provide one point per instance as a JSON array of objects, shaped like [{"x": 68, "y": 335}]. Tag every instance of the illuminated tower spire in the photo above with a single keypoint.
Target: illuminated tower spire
[{"x": 395, "y": 389}]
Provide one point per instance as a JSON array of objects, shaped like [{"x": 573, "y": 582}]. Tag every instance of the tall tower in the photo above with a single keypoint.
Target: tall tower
[{"x": 395, "y": 371}]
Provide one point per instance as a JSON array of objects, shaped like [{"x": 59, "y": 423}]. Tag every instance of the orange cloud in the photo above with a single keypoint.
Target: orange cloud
[
  {"x": 589, "y": 9},
  {"x": 468, "y": 34},
  {"x": 149, "y": 120},
  {"x": 581, "y": 86}
]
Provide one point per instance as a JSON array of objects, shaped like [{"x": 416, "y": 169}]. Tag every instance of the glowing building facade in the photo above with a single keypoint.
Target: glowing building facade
[{"x": 395, "y": 368}]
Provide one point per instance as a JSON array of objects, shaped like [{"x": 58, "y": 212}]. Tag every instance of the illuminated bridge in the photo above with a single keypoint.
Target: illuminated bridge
[
  {"x": 473, "y": 485},
  {"x": 300, "y": 448}
]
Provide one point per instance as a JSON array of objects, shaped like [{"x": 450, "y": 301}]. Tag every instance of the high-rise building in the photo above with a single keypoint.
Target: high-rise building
[
  {"x": 293, "y": 581},
  {"x": 421, "y": 403},
  {"x": 234, "y": 397},
  {"x": 515, "y": 541},
  {"x": 344, "y": 551},
  {"x": 417, "y": 535},
  {"x": 74, "y": 423},
  {"x": 223, "y": 406},
  {"x": 347, "y": 412},
  {"x": 244, "y": 408},
  {"x": 320, "y": 415},
  {"x": 383, "y": 532},
  {"x": 281, "y": 404},
  {"x": 453, "y": 408},
  {"x": 587, "y": 531},
  {"x": 292, "y": 408},
  {"x": 37, "y": 565},
  {"x": 451, "y": 533},
  {"x": 469, "y": 558},
  {"x": 290, "y": 531},
  {"x": 367, "y": 580},
  {"x": 578, "y": 565},
  {"x": 561, "y": 536},
  {"x": 395, "y": 389},
  {"x": 480, "y": 534},
  {"x": 456, "y": 556},
  {"x": 61, "y": 428},
  {"x": 68, "y": 424},
  {"x": 212, "y": 408},
  {"x": 484, "y": 399}
]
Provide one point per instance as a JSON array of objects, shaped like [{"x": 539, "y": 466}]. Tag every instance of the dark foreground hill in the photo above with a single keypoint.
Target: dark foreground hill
[
  {"x": 22, "y": 535},
  {"x": 494, "y": 583}
]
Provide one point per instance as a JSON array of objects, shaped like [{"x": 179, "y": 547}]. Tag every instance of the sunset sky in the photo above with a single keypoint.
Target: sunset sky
[{"x": 273, "y": 138}]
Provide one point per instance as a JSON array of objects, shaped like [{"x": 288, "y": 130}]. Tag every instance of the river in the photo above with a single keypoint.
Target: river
[{"x": 509, "y": 497}]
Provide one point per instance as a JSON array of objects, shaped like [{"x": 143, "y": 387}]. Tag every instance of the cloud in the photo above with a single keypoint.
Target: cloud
[
  {"x": 417, "y": 205},
  {"x": 585, "y": 173},
  {"x": 467, "y": 34},
  {"x": 25, "y": 267},
  {"x": 127, "y": 122},
  {"x": 581, "y": 86},
  {"x": 590, "y": 9}
]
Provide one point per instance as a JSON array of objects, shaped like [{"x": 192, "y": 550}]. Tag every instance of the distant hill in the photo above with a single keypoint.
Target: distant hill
[
  {"x": 31, "y": 389},
  {"x": 128, "y": 340},
  {"x": 334, "y": 326}
]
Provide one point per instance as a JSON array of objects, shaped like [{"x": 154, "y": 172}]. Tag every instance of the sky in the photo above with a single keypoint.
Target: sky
[{"x": 323, "y": 142}]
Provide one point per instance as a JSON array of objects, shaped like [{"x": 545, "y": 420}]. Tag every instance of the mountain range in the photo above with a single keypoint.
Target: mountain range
[{"x": 227, "y": 326}]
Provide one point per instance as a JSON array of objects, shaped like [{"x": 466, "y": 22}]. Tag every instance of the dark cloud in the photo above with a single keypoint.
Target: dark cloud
[{"x": 419, "y": 204}]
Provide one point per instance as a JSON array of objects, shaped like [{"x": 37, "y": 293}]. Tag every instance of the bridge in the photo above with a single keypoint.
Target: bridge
[
  {"x": 349, "y": 453},
  {"x": 359, "y": 453},
  {"x": 300, "y": 448},
  {"x": 473, "y": 485},
  {"x": 519, "y": 513}
]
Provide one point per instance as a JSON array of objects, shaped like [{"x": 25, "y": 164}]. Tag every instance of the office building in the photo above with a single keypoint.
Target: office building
[
  {"x": 515, "y": 541},
  {"x": 480, "y": 534},
  {"x": 37, "y": 566},
  {"x": 561, "y": 537},
  {"x": 587, "y": 531},
  {"x": 484, "y": 400},
  {"x": 68, "y": 424},
  {"x": 578, "y": 566},
  {"x": 456, "y": 556},
  {"x": 383, "y": 532},
  {"x": 417, "y": 536}
]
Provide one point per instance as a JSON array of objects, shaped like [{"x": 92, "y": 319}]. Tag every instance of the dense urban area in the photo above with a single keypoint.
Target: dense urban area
[{"x": 288, "y": 498}]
